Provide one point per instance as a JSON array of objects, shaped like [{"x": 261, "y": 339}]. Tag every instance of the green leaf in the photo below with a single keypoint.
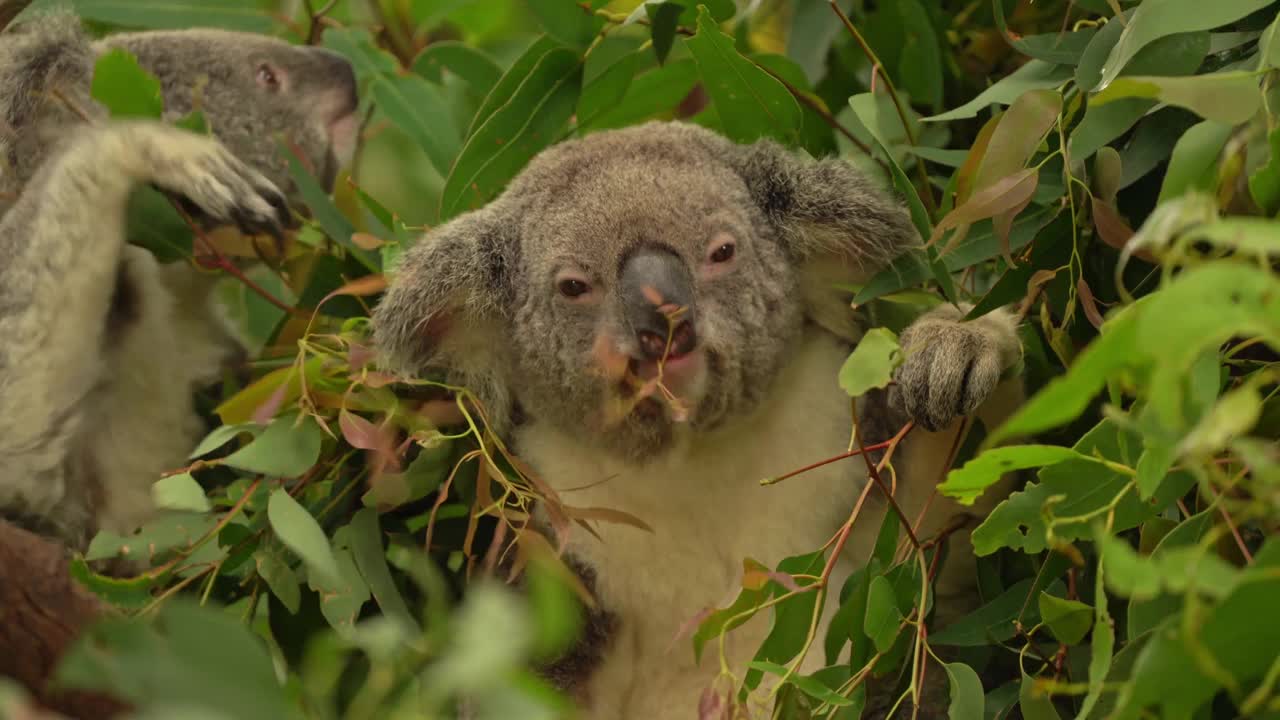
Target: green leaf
[
  {"x": 1226, "y": 97},
  {"x": 511, "y": 80},
  {"x": 883, "y": 617},
  {"x": 920, "y": 62},
  {"x": 127, "y": 593},
  {"x": 1102, "y": 647},
  {"x": 872, "y": 362},
  {"x": 180, "y": 492},
  {"x": 192, "y": 657},
  {"x": 1069, "y": 620},
  {"x": 222, "y": 435},
  {"x": 967, "y": 483},
  {"x": 289, "y": 447},
  {"x": 1089, "y": 69},
  {"x": 178, "y": 14},
  {"x": 993, "y": 622},
  {"x": 664, "y": 18},
  {"x": 1058, "y": 48},
  {"x": 1172, "y": 671},
  {"x": 299, "y": 531},
  {"x": 1066, "y": 396},
  {"x": 480, "y": 71},
  {"x": 751, "y": 104},
  {"x": 331, "y": 220},
  {"x": 280, "y": 578},
  {"x": 566, "y": 21},
  {"x": 651, "y": 95},
  {"x": 809, "y": 685},
  {"x": 1264, "y": 183},
  {"x": 792, "y": 617},
  {"x": 167, "y": 531},
  {"x": 1034, "y": 75},
  {"x": 606, "y": 90},
  {"x": 124, "y": 88},
  {"x": 1174, "y": 55},
  {"x": 366, "y": 549},
  {"x": 1269, "y": 46},
  {"x": 1073, "y": 494},
  {"x": 1033, "y": 702},
  {"x": 1154, "y": 19},
  {"x": 505, "y": 141},
  {"x": 409, "y": 101},
  {"x": 967, "y": 700}
]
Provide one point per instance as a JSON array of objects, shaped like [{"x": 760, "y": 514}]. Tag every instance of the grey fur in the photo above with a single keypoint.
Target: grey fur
[
  {"x": 478, "y": 298},
  {"x": 104, "y": 345}
]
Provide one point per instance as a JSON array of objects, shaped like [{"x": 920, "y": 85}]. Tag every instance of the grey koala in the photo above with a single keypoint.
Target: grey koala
[
  {"x": 649, "y": 316},
  {"x": 103, "y": 344}
]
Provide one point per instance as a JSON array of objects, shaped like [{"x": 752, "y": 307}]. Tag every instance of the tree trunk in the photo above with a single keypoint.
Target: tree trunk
[{"x": 42, "y": 610}]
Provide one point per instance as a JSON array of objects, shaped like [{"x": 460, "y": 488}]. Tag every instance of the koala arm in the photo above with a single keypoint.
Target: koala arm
[{"x": 61, "y": 249}]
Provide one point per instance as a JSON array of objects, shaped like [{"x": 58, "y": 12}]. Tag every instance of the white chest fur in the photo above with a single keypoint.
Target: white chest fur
[{"x": 708, "y": 512}]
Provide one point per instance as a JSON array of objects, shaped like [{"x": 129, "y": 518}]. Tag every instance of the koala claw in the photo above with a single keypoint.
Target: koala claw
[
  {"x": 221, "y": 189},
  {"x": 951, "y": 367}
]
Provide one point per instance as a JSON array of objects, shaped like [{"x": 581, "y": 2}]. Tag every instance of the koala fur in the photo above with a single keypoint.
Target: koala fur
[
  {"x": 526, "y": 299},
  {"x": 104, "y": 345}
]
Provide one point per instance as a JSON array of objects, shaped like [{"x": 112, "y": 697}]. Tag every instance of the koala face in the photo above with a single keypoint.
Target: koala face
[
  {"x": 255, "y": 91},
  {"x": 623, "y": 241},
  {"x": 639, "y": 283}
]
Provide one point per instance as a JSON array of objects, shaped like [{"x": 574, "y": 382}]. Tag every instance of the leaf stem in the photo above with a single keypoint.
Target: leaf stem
[{"x": 877, "y": 67}]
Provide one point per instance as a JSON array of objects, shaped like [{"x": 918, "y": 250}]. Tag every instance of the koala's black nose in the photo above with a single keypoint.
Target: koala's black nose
[{"x": 657, "y": 295}]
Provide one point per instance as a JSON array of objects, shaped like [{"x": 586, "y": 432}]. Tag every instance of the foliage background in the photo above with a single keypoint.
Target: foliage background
[{"x": 1109, "y": 167}]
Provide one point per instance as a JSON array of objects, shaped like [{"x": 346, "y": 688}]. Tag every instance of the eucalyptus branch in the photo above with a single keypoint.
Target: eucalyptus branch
[{"x": 877, "y": 67}]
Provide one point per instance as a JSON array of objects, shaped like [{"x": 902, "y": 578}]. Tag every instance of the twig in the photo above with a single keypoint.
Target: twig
[
  {"x": 315, "y": 18},
  {"x": 825, "y": 114},
  {"x": 876, "y": 67},
  {"x": 828, "y": 461}
]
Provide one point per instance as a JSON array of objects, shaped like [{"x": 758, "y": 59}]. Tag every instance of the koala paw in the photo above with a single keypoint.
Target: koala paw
[
  {"x": 952, "y": 367},
  {"x": 211, "y": 183}
]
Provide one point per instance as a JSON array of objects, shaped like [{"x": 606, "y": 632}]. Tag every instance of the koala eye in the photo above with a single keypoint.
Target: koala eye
[
  {"x": 723, "y": 252},
  {"x": 268, "y": 78},
  {"x": 573, "y": 287}
]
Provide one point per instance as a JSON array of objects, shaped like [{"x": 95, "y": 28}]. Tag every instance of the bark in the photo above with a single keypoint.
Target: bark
[{"x": 42, "y": 611}]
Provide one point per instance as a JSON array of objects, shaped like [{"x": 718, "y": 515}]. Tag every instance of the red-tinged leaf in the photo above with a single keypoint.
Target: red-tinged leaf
[
  {"x": 1019, "y": 133},
  {"x": 1088, "y": 302},
  {"x": 365, "y": 241},
  {"x": 710, "y": 705},
  {"x": 968, "y": 172},
  {"x": 378, "y": 379},
  {"x": 359, "y": 355},
  {"x": 1005, "y": 195},
  {"x": 606, "y": 515},
  {"x": 367, "y": 285},
  {"x": 359, "y": 432},
  {"x": 1038, "y": 279},
  {"x": 268, "y": 410},
  {"x": 1113, "y": 229},
  {"x": 1002, "y": 224}
]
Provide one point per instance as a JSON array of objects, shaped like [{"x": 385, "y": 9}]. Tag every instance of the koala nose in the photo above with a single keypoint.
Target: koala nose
[
  {"x": 340, "y": 78},
  {"x": 656, "y": 289}
]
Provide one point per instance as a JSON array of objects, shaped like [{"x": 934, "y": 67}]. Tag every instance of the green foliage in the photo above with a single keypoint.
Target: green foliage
[{"x": 1115, "y": 178}]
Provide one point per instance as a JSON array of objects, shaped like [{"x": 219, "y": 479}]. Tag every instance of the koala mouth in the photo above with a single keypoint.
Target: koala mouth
[
  {"x": 343, "y": 133},
  {"x": 671, "y": 388}
]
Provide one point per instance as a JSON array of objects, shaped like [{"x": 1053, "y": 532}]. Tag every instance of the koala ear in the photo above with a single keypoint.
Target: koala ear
[
  {"x": 447, "y": 305},
  {"x": 836, "y": 226}
]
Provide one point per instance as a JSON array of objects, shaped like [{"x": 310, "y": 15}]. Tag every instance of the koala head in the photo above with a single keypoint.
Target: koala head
[
  {"x": 657, "y": 252},
  {"x": 255, "y": 90}
]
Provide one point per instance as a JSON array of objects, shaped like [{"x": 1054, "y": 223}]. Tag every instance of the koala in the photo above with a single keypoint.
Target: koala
[
  {"x": 104, "y": 345},
  {"x": 666, "y": 256}
]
